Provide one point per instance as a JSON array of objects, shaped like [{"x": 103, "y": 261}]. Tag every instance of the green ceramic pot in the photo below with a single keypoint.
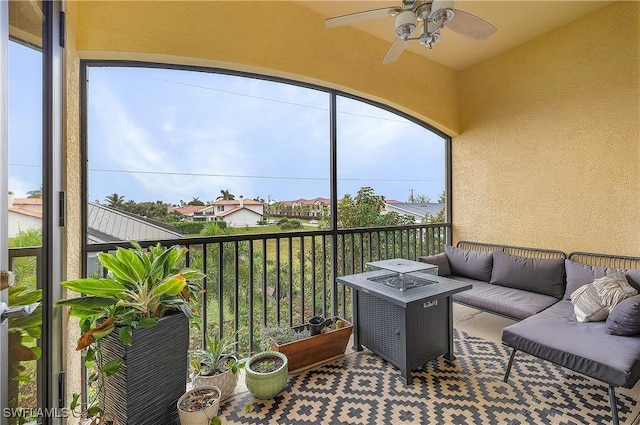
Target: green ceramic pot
[{"x": 266, "y": 384}]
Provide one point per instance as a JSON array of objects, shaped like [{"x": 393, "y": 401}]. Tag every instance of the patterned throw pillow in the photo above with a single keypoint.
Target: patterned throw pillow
[
  {"x": 588, "y": 305},
  {"x": 594, "y": 301}
]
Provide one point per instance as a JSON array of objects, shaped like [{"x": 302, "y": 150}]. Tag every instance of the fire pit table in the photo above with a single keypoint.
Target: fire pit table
[{"x": 403, "y": 312}]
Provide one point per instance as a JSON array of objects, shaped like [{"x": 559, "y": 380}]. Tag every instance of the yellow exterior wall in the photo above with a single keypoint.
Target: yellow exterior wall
[
  {"x": 249, "y": 36},
  {"x": 549, "y": 154}
]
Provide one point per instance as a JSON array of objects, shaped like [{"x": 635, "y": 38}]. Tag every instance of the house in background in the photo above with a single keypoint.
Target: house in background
[
  {"x": 24, "y": 214},
  {"x": 195, "y": 212},
  {"x": 305, "y": 208},
  {"x": 238, "y": 212},
  {"x": 104, "y": 224},
  {"x": 235, "y": 212},
  {"x": 416, "y": 210}
]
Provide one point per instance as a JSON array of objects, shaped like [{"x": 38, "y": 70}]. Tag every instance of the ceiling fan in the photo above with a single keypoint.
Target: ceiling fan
[{"x": 429, "y": 15}]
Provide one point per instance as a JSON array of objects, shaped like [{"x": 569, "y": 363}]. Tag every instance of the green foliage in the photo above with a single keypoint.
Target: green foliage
[
  {"x": 226, "y": 195},
  {"x": 282, "y": 334},
  {"x": 290, "y": 224},
  {"x": 365, "y": 210},
  {"x": 189, "y": 227},
  {"x": 141, "y": 286},
  {"x": 215, "y": 228},
  {"x": 217, "y": 357},
  {"x": 24, "y": 332},
  {"x": 196, "y": 201}
]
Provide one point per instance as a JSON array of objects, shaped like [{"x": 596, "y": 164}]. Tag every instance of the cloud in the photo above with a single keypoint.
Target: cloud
[{"x": 193, "y": 123}]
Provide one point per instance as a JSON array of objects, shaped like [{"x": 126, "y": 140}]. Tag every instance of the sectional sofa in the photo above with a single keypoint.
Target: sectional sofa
[{"x": 551, "y": 294}]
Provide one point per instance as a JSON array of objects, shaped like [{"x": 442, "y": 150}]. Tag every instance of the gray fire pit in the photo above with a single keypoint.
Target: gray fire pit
[{"x": 408, "y": 322}]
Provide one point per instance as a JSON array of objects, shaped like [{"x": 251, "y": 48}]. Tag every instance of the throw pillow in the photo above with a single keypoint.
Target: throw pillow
[
  {"x": 541, "y": 275},
  {"x": 594, "y": 301},
  {"x": 624, "y": 319},
  {"x": 472, "y": 264},
  {"x": 587, "y": 304},
  {"x": 439, "y": 260},
  {"x": 613, "y": 289}
]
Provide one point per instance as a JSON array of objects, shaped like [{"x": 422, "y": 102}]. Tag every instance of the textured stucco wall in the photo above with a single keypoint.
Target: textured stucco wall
[
  {"x": 250, "y": 36},
  {"x": 72, "y": 176},
  {"x": 550, "y": 148}
]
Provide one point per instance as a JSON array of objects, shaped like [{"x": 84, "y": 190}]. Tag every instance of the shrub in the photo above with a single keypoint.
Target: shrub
[{"x": 189, "y": 227}]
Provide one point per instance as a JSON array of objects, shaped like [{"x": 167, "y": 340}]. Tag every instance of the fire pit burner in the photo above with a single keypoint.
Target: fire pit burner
[{"x": 400, "y": 281}]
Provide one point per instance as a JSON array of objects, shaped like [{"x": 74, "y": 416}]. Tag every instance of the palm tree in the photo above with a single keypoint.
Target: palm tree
[
  {"x": 226, "y": 195},
  {"x": 115, "y": 201},
  {"x": 196, "y": 201}
]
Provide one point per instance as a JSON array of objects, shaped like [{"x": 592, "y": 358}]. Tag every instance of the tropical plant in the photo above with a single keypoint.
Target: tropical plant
[
  {"x": 141, "y": 286},
  {"x": 217, "y": 357},
  {"x": 114, "y": 200},
  {"x": 226, "y": 195}
]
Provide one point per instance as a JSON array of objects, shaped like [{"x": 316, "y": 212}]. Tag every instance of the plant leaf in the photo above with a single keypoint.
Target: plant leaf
[
  {"x": 126, "y": 334},
  {"x": 111, "y": 367},
  {"x": 172, "y": 286},
  {"x": 120, "y": 270},
  {"x": 98, "y": 287},
  {"x": 90, "y": 304}
]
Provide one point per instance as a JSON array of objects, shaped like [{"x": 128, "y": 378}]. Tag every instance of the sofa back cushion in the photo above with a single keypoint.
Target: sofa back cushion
[
  {"x": 439, "y": 260},
  {"x": 581, "y": 274},
  {"x": 540, "y": 275},
  {"x": 472, "y": 264}
]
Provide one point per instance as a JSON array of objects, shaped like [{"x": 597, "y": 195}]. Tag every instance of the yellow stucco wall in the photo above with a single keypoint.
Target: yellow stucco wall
[
  {"x": 251, "y": 36},
  {"x": 549, "y": 154}
]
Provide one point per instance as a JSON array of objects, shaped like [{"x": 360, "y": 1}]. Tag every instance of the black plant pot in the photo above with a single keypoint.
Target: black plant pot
[{"x": 153, "y": 375}]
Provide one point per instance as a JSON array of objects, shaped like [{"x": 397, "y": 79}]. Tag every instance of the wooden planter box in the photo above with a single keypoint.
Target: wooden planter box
[{"x": 317, "y": 348}]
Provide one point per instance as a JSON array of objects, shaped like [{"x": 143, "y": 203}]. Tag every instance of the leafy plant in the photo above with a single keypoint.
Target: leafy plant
[
  {"x": 282, "y": 334},
  {"x": 141, "y": 286},
  {"x": 217, "y": 357}
]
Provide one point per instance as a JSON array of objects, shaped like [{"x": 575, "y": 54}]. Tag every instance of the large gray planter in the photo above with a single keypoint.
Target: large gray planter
[{"x": 153, "y": 375}]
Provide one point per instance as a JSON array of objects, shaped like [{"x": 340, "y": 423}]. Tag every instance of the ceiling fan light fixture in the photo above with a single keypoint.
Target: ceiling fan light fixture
[
  {"x": 406, "y": 24},
  {"x": 442, "y": 16},
  {"x": 430, "y": 35}
]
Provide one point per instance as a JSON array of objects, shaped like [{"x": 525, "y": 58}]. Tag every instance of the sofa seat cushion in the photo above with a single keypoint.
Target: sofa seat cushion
[
  {"x": 555, "y": 335},
  {"x": 510, "y": 302},
  {"x": 472, "y": 264},
  {"x": 540, "y": 275}
]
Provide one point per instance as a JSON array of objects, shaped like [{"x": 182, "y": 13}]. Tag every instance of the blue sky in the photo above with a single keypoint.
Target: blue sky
[{"x": 157, "y": 134}]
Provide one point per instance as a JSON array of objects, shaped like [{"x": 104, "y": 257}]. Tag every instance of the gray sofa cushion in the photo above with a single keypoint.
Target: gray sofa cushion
[
  {"x": 510, "y": 302},
  {"x": 543, "y": 276},
  {"x": 472, "y": 264},
  {"x": 581, "y": 274},
  {"x": 624, "y": 319},
  {"x": 439, "y": 260},
  {"x": 555, "y": 335}
]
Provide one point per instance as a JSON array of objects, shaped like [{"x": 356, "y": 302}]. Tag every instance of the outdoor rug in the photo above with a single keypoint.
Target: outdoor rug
[{"x": 362, "y": 388}]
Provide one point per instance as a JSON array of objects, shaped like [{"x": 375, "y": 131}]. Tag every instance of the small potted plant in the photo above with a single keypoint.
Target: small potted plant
[
  {"x": 136, "y": 316},
  {"x": 266, "y": 374},
  {"x": 216, "y": 365},
  {"x": 303, "y": 349},
  {"x": 199, "y": 406}
]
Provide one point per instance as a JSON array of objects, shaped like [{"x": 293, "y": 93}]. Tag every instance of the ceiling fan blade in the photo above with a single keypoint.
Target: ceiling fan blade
[
  {"x": 394, "y": 51},
  {"x": 471, "y": 26},
  {"x": 352, "y": 18}
]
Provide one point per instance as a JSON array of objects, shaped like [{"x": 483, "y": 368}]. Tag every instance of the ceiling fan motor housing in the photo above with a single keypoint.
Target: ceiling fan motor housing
[{"x": 406, "y": 23}]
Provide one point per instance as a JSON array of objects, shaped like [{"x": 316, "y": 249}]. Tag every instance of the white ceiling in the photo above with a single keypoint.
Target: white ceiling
[{"x": 517, "y": 21}]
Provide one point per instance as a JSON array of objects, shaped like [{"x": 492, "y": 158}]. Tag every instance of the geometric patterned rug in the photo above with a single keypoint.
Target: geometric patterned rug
[{"x": 362, "y": 388}]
